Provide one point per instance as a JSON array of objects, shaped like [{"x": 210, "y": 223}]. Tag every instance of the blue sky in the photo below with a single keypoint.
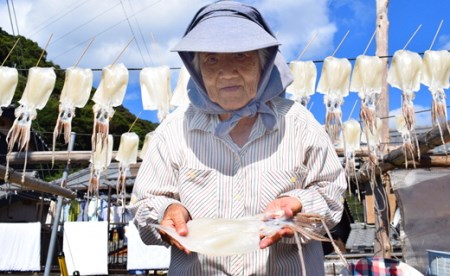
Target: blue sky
[{"x": 158, "y": 24}]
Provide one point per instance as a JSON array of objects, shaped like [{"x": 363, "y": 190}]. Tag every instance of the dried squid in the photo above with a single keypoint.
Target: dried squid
[
  {"x": 436, "y": 75},
  {"x": 144, "y": 149},
  {"x": 75, "y": 93},
  {"x": 304, "y": 84},
  {"x": 40, "y": 84},
  {"x": 126, "y": 155},
  {"x": 9, "y": 78},
  {"x": 352, "y": 142},
  {"x": 217, "y": 237},
  {"x": 408, "y": 148},
  {"x": 180, "y": 93},
  {"x": 373, "y": 139},
  {"x": 100, "y": 161},
  {"x": 334, "y": 83},
  {"x": 405, "y": 74},
  {"x": 155, "y": 90},
  {"x": 367, "y": 80},
  {"x": 109, "y": 94}
]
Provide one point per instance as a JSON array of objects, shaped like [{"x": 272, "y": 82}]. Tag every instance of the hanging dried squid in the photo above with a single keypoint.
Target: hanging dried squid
[
  {"x": 334, "y": 83},
  {"x": 436, "y": 75},
  {"x": 9, "y": 77},
  {"x": 75, "y": 93},
  {"x": 304, "y": 84},
  {"x": 180, "y": 93},
  {"x": 100, "y": 161},
  {"x": 408, "y": 148},
  {"x": 352, "y": 141},
  {"x": 145, "y": 146},
  {"x": 373, "y": 140},
  {"x": 155, "y": 90},
  {"x": 39, "y": 86},
  {"x": 126, "y": 155},
  {"x": 367, "y": 80},
  {"x": 405, "y": 74},
  {"x": 110, "y": 93}
]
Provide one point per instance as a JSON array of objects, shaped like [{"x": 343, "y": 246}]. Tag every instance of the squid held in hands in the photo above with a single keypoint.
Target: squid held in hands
[
  {"x": 304, "y": 83},
  {"x": 352, "y": 142},
  {"x": 334, "y": 83},
  {"x": 126, "y": 155},
  {"x": 75, "y": 93},
  {"x": 109, "y": 94},
  {"x": 155, "y": 90},
  {"x": 9, "y": 77},
  {"x": 180, "y": 93},
  {"x": 39, "y": 86},
  {"x": 405, "y": 74},
  {"x": 436, "y": 75},
  {"x": 217, "y": 237},
  {"x": 367, "y": 80},
  {"x": 100, "y": 161}
]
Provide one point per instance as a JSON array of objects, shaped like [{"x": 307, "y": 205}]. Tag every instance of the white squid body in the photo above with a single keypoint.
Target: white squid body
[
  {"x": 126, "y": 155},
  {"x": 367, "y": 77},
  {"x": 180, "y": 93},
  {"x": 145, "y": 146},
  {"x": 304, "y": 83},
  {"x": 100, "y": 161},
  {"x": 155, "y": 90},
  {"x": 9, "y": 77},
  {"x": 40, "y": 84},
  {"x": 352, "y": 141},
  {"x": 334, "y": 83},
  {"x": 75, "y": 93},
  {"x": 352, "y": 135},
  {"x": 128, "y": 149},
  {"x": 436, "y": 69},
  {"x": 367, "y": 80},
  {"x": 219, "y": 237},
  {"x": 436, "y": 75},
  {"x": 109, "y": 94},
  {"x": 405, "y": 74}
]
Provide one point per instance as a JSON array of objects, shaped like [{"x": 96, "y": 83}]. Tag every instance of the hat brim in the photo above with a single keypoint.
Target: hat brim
[{"x": 225, "y": 34}]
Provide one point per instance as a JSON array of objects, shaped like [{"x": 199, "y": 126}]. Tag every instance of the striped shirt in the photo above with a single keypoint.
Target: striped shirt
[{"x": 214, "y": 178}]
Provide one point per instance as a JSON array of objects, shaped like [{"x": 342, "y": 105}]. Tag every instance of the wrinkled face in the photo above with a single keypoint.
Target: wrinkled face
[{"x": 231, "y": 79}]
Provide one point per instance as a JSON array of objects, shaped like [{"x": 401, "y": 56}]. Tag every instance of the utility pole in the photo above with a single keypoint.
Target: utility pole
[{"x": 382, "y": 242}]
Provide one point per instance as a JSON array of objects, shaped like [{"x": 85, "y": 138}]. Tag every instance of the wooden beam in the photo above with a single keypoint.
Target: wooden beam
[
  {"x": 37, "y": 157},
  {"x": 396, "y": 158},
  {"x": 32, "y": 183}
]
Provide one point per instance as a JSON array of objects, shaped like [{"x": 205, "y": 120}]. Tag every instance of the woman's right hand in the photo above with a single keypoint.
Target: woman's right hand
[{"x": 176, "y": 216}]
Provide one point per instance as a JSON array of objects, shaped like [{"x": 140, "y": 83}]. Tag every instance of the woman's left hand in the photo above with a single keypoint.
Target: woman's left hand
[{"x": 291, "y": 206}]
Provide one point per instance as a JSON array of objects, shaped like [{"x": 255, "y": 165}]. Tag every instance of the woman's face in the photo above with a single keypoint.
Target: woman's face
[{"x": 231, "y": 79}]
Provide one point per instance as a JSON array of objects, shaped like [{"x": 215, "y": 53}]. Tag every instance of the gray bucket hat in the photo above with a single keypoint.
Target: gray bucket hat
[{"x": 226, "y": 27}]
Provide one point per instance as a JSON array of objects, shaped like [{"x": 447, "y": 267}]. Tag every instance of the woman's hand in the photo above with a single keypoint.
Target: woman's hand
[
  {"x": 291, "y": 206},
  {"x": 176, "y": 216}
]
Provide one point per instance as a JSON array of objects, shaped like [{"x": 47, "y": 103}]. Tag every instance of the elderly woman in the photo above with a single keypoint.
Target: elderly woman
[{"x": 239, "y": 149}]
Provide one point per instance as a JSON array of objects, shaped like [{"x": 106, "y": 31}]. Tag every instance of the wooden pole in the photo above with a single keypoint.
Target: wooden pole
[
  {"x": 33, "y": 183},
  {"x": 382, "y": 243}
]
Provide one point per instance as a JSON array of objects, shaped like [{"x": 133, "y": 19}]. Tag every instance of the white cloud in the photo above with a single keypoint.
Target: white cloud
[
  {"x": 71, "y": 25},
  {"x": 296, "y": 22}
]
